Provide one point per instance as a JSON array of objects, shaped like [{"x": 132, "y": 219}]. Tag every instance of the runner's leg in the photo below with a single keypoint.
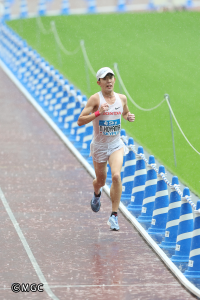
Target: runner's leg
[
  {"x": 101, "y": 174},
  {"x": 115, "y": 162}
]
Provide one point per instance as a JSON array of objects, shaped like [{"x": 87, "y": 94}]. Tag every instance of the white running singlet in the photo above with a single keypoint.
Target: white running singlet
[{"x": 106, "y": 133}]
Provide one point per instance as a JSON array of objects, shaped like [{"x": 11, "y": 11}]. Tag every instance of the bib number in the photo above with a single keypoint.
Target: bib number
[{"x": 109, "y": 127}]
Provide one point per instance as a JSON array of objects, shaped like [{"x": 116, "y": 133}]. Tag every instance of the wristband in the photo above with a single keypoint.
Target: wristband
[
  {"x": 128, "y": 118},
  {"x": 97, "y": 113}
]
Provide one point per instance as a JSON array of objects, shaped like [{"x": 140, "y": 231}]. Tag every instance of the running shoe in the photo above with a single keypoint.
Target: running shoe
[
  {"x": 113, "y": 223},
  {"x": 95, "y": 203}
]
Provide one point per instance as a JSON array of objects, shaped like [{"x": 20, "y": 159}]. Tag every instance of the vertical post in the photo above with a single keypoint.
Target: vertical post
[{"x": 168, "y": 98}]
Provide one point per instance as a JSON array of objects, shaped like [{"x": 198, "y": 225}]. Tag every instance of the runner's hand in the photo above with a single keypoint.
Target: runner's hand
[
  {"x": 130, "y": 117},
  {"x": 104, "y": 107}
]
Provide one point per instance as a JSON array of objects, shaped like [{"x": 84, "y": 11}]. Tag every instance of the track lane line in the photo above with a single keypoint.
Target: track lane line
[{"x": 27, "y": 248}]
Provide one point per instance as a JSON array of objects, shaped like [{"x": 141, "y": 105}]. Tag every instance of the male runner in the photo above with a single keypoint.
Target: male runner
[{"x": 105, "y": 109}]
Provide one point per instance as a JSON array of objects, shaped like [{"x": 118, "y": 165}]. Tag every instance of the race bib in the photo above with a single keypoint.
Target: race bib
[{"x": 109, "y": 127}]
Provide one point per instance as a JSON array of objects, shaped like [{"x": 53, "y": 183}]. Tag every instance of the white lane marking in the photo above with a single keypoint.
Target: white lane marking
[
  {"x": 27, "y": 248},
  {"x": 107, "y": 285},
  {"x": 103, "y": 285}
]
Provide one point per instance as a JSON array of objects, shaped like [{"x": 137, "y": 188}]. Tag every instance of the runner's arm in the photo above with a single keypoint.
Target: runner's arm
[
  {"x": 86, "y": 116},
  {"x": 126, "y": 113},
  {"x": 88, "y": 113}
]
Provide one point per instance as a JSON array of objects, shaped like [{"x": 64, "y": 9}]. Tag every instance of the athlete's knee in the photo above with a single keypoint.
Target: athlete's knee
[
  {"x": 116, "y": 178},
  {"x": 101, "y": 181}
]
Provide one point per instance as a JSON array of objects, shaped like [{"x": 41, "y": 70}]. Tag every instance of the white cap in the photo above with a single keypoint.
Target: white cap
[{"x": 103, "y": 72}]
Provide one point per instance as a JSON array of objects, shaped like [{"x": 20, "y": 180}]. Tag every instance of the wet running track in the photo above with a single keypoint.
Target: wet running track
[{"x": 49, "y": 192}]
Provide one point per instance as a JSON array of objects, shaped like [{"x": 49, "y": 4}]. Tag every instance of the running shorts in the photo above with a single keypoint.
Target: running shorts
[{"x": 101, "y": 152}]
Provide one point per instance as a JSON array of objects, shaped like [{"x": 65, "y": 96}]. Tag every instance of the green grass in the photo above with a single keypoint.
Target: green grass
[{"x": 156, "y": 54}]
